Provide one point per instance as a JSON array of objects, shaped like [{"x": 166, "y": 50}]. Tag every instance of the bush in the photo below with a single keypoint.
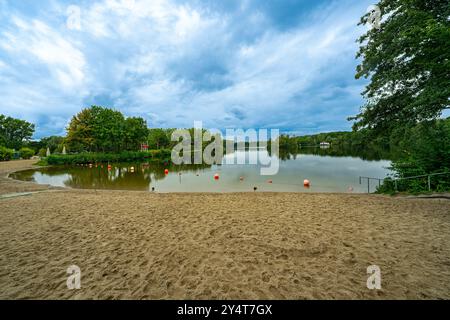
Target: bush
[
  {"x": 127, "y": 156},
  {"x": 26, "y": 153},
  {"x": 42, "y": 153},
  {"x": 6, "y": 154}
]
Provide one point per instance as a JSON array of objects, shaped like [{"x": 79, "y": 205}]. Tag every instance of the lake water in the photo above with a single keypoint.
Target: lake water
[{"x": 326, "y": 173}]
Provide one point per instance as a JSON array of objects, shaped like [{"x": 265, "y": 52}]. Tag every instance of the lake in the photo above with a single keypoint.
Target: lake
[{"x": 327, "y": 173}]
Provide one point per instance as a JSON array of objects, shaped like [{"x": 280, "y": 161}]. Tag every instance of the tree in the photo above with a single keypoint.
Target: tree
[
  {"x": 99, "y": 129},
  {"x": 14, "y": 132},
  {"x": 80, "y": 131},
  {"x": 408, "y": 62},
  {"x": 158, "y": 139},
  {"x": 136, "y": 132},
  {"x": 54, "y": 143},
  {"x": 108, "y": 129}
]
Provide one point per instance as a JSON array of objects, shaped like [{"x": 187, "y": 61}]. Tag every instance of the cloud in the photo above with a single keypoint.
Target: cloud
[{"x": 281, "y": 64}]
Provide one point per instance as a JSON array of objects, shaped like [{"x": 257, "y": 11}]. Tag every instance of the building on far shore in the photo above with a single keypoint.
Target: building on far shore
[{"x": 325, "y": 145}]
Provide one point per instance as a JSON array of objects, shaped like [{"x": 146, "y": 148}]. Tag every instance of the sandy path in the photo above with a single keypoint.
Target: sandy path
[{"x": 231, "y": 246}]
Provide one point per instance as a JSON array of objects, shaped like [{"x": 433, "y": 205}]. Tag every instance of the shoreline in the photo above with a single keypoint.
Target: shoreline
[{"x": 141, "y": 245}]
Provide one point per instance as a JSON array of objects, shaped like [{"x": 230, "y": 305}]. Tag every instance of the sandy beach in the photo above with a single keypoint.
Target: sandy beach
[{"x": 138, "y": 245}]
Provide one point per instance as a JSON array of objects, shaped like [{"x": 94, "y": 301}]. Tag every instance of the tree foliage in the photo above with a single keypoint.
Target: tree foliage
[
  {"x": 408, "y": 62},
  {"x": 426, "y": 150},
  {"x": 54, "y": 143},
  {"x": 98, "y": 129},
  {"x": 159, "y": 138},
  {"x": 26, "y": 153},
  {"x": 14, "y": 132},
  {"x": 6, "y": 154}
]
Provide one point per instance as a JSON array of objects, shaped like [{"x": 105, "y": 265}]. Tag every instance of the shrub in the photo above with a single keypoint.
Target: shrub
[
  {"x": 42, "y": 153},
  {"x": 6, "y": 154},
  {"x": 126, "y": 156},
  {"x": 26, "y": 153}
]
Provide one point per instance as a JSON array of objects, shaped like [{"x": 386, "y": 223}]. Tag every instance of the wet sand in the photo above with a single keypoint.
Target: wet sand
[{"x": 138, "y": 245}]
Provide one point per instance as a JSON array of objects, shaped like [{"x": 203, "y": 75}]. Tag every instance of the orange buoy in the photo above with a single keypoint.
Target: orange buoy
[
  {"x": 306, "y": 183},
  {"x": 166, "y": 172},
  {"x": 216, "y": 176}
]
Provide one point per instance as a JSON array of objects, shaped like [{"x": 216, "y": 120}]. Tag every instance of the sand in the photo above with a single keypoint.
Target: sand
[{"x": 137, "y": 245}]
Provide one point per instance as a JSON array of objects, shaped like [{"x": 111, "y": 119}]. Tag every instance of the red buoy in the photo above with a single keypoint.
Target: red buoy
[
  {"x": 216, "y": 176},
  {"x": 269, "y": 181},
  {"x": 241, "y": 178},
  {"x": 306, "y": 183},
  {"x": 166, "y": 172}
]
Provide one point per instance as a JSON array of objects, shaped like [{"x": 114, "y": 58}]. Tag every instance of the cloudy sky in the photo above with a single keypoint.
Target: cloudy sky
[{"x": 286, "y": 64}]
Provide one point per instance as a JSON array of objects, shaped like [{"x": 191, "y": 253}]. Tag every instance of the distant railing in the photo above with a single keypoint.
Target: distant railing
[
  {"x": 368, "y": 182},
  {"x": 428, "y": 176}
]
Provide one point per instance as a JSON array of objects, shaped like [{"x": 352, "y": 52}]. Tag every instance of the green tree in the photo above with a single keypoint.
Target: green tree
[
  {"x": 158, "y": 139},
  {"x": 408, "y": 62},
  {"x": 99, "y": 129},
  {"x": 14, "y": 132},
  {"x": 55, "y": 143},
  {"x": 80, "y": 136},
  {"x": 136, "y": 132},
  {"x": 108, "y": 129}
]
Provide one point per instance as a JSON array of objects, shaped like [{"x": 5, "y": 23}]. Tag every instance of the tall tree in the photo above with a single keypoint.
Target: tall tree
[
  {"x": 136, "y": 132},
  {"x": 408, "y": 62},
  {"x": 54, "y": 143},
  {"x": 158, "y": 138},
  {"x": 80, "y": 135},
  {"x": 14, "y": 132},
  {"x": 106, "y": 130}
]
